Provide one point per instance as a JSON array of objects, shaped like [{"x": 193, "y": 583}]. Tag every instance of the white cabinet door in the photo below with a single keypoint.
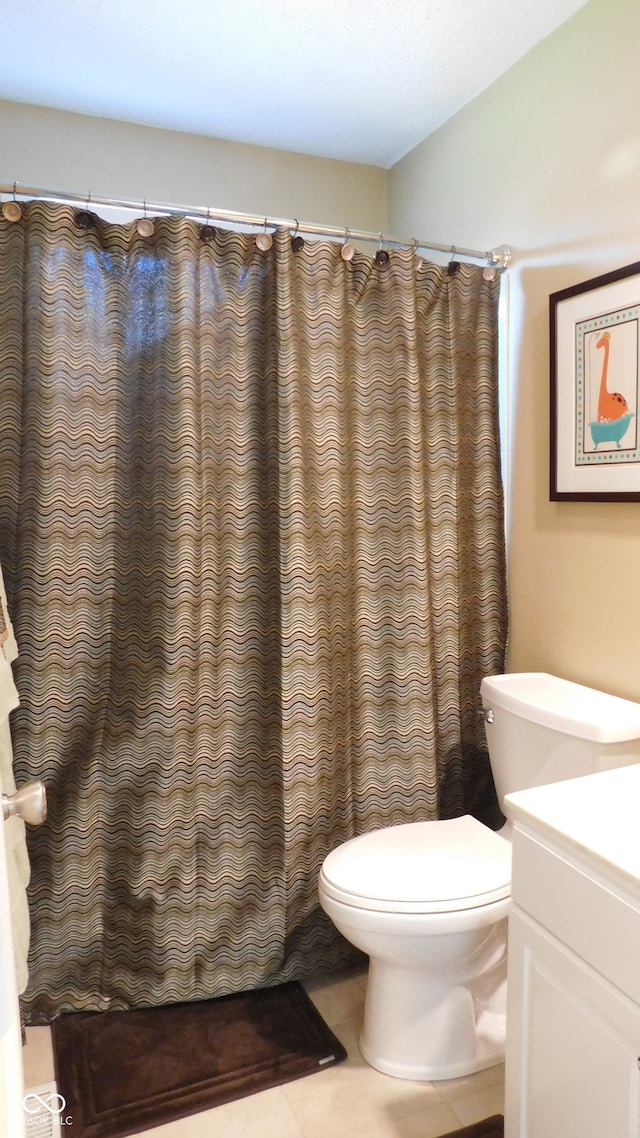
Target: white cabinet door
[{"x": 573, "y": 1050}]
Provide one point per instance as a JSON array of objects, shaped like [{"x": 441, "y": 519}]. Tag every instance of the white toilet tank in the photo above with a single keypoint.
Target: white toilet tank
[{"x": 543, "y": 729}]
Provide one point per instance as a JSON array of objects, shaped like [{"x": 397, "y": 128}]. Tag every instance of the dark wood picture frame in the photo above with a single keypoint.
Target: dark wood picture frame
[{"x": 595, "y": 389}]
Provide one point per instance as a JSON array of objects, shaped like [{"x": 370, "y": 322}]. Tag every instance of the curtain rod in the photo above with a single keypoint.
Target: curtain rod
[{"x": 499, "y": 257}]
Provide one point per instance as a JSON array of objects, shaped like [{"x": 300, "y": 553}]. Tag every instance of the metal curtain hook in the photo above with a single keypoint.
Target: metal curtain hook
[
  {"x": 382, "y": 256},
  {"x": 347, "y": 251},
  {"x": 297, "y": 242},
  {"x": 453, "y": 265},
  {"x": 264, "y": 241},
  {"x": 207, "y": 232},
  {"x": 415, "y": 246},
  {"x": 144, "y": 225},
  {"x": 84, "y": 217},
  {"x": 12, "y": 211}
]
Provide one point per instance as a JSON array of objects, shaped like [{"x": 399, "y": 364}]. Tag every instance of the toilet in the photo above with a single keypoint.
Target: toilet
[{"x": 428, "y": 901}]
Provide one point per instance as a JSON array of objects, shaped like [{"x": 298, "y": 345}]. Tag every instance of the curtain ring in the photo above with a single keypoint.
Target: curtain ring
[
  {"x": 297, "y": 242},
  {"x": 144, "y": 225},
  {"x": 264, "y": 241},
  {"x": 84, "y": 218},
  {"x": 382, "y": 256},
  {"x": 207, "y": 233},
  {"x": 12, "y": 211},
  {"x": 347, "y": 251},
  {"x": 489, "y": 272}
]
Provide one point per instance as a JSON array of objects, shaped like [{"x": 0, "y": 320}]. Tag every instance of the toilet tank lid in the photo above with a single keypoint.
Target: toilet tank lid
[{"x": 564, "y": 706}]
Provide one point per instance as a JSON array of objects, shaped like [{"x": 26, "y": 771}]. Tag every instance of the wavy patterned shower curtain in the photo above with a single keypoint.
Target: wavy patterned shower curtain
[{"x": 251, "y": 519}]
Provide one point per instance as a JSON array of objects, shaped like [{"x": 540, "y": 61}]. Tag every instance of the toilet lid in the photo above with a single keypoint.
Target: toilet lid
[{"x": 425, "y": 867}]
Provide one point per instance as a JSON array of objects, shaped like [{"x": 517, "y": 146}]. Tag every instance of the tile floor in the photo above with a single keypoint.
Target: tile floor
[{"x": 350, "y": 1100}]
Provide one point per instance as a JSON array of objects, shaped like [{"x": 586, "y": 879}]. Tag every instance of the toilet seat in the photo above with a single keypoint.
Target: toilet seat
[{"x": 420, "y": 867}]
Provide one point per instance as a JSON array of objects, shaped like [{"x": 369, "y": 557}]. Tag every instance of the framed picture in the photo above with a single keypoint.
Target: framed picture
[{"x": 595, "y": 389}]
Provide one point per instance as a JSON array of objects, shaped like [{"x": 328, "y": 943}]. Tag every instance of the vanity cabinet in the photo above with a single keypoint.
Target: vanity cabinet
[{"x": 573, "y": 1014}]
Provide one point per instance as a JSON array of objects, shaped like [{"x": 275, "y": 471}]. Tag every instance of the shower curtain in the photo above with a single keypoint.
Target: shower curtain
[{"x": 251, "y": 520}]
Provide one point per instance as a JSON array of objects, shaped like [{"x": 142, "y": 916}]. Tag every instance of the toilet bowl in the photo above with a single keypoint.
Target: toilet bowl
[{"x": 428, "y": 902}]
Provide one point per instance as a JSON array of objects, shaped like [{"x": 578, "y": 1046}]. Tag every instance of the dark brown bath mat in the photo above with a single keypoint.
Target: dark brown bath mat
[
  {"x": 490, "y": 1128},
  {"x": 123, "y": 1072}
]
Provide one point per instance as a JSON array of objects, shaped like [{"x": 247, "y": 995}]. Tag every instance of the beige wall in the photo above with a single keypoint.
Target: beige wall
[
  {"x": 49, "y": 149},
  {"x": 548, "y": 160}
]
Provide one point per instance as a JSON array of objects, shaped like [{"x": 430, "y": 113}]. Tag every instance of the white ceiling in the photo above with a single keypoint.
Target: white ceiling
[{"x": 361, "y": 80}]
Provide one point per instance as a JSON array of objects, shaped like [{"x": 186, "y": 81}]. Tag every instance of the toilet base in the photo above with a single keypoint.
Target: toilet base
[{"x": 416, "y": 1030}]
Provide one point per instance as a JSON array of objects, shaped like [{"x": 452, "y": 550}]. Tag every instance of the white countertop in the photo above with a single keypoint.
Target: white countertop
[{"x": 597, "y": 815}]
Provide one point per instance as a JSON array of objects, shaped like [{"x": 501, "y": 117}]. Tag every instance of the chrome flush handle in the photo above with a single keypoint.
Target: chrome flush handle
[
  {"x": 28, "y": 803},
  {"x": 486, "y": 714}
]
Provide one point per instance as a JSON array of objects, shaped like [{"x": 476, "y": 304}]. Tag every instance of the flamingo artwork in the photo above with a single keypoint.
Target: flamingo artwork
[
  {"x": 614, "y": 416},
  {"x": 611, "y": 404}
]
